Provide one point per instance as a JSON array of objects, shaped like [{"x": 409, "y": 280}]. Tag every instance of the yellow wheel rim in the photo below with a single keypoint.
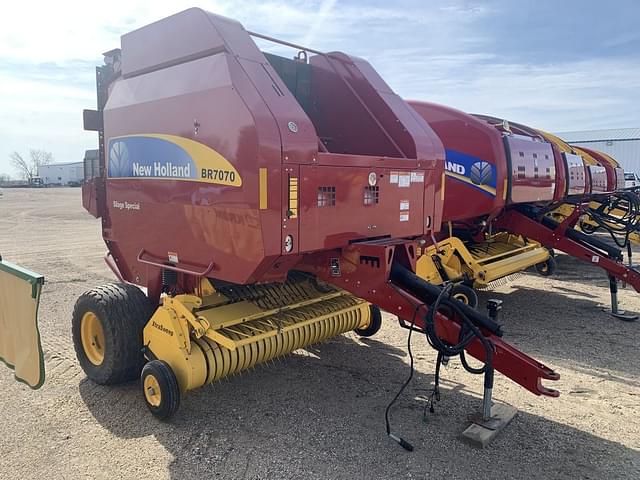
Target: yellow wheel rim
[
  {"x": 92, "y": 336},
  {"x": 365, "y": 324},
  {"x": 462, "y": 298},
  {"x": 152, "y": 391}
]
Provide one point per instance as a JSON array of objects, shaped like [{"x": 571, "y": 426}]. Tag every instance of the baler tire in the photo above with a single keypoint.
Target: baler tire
[
  {"x": 375, "y": 322},
  {"x": 122, "y": 311},
  {"x": 160, "y": 374},
  {"x": 547, "y": 268},
  {"x": 465, "y": 294}
]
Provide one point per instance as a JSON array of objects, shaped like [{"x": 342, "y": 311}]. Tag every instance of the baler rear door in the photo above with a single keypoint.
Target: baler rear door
[{"x": 20, "y": 346}]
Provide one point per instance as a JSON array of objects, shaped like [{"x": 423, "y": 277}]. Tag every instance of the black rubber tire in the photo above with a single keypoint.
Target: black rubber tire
[
  {"x": 123, "y": 311},
  {"x": 169, "y": 389},
  {"x": 547, "y": 268},
  {"x": 468, "y": 293},
  {"x": 374, "y": 324}
]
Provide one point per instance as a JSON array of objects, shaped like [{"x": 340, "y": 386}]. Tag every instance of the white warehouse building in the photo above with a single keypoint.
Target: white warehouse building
[
  {"x": 623, "y": 144},
  {"x": 61, "y": 173}
]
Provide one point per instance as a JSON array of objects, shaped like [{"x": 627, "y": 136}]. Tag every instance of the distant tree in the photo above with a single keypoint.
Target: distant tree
[
  {"x": 4, "y": 177},
  {"x": 29, "y": 168}
]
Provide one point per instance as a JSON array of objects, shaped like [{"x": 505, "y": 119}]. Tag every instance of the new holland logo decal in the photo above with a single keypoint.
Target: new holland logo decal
[
  {"x": 471, "y": 170},
  {"x": 168, "y": 157}
]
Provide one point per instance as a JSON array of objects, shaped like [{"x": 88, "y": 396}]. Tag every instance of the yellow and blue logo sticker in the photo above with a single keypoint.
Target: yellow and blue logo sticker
[
  {"x": 168, "y": 157},
  {"x": 471, "y": 170}
]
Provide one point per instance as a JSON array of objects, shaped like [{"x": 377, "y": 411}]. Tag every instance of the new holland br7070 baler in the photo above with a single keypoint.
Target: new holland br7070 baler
[
  {"x": 513, "y": 192},
  {"x": 263, "y": 204}
]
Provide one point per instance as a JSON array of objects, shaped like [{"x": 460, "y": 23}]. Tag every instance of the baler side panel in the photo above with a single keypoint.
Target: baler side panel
[
  {"x": 611, "y": 167},
  {"x": 532, "y": 170},
  {"x": 577, "y": 176},
  {"x": 338, "y": 204},
  {"x": 475, "y": 163},
  {"x": 619, "y": 178},
  {"x": 599, "y": 179},
  {"x": 201, "y": 222}
]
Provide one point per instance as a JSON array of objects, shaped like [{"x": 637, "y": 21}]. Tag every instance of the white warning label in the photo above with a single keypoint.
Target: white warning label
[
  {"x": 393, "y": 177},
  {"x": 417, "y": 177},
  {"x": 404, "y": 204},
  {"x": 404, "y": 217},
  {"x": 404, "y": 180}
]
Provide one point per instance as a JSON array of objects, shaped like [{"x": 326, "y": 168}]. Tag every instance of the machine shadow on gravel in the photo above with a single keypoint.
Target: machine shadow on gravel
[
  {"x": 555, "y": 319},
  {"x": 319, "y": 413}
]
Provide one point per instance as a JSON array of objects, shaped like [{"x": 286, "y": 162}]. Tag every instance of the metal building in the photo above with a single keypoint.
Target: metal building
[
  {"x": 623, "y": 144},
  {"x": 71, "y": 173}
]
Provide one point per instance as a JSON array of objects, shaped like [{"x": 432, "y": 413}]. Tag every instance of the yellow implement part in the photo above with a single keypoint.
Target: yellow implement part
[
  {"x": 499, "y": 256},
  {"x": 152, "y": 390},
  {"x": 20, "y": 346},
  {"x": 92, "y": 337},
  {"x": 245, "y": 326},
  {"x": 589, "y": 160}
]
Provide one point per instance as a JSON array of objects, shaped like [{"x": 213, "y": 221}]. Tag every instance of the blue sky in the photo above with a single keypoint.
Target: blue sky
[{"x": 557, "y": 65}]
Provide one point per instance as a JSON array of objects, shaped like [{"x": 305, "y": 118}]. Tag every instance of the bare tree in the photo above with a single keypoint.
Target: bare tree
[
  {"x": 29, "y": 168},
  {"x": 4, "y": 177}
]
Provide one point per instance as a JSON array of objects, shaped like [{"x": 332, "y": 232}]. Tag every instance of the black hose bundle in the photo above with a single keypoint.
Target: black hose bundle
[
  {"x": 469, "y": 330},
  {"x": 617, "y": 226}
]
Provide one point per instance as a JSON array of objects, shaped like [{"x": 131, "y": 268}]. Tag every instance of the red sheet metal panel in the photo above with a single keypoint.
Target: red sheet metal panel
[
  {"x": 475, "y": 164},
  {"x": 598, "y": 178},
  {"x": 339, "y": 204},
  {"x": 577, "y": 175},
  {"x": 533, "y": 171},
  {"x": 615, "y": 175}
]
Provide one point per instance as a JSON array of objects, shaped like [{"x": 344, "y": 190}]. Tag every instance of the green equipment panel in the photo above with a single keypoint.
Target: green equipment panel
[{"x": 20, "y": 347}]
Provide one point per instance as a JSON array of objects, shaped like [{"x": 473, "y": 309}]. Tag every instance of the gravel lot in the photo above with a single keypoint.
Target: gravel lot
[{"x": 319, "y": 413}]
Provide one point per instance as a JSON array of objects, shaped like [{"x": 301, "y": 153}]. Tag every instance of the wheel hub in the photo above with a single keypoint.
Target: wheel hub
[
  {"x": 152, "y": 390},
  {"x": 461, "y": 297},
  {"x": 92, "y": 336}
]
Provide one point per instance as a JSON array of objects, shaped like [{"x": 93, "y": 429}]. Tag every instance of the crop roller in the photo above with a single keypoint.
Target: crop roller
[{"x": 232, "y": 328}]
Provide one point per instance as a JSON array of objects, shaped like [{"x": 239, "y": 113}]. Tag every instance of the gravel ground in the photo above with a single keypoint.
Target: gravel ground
[{"x": 318, "y": 413}]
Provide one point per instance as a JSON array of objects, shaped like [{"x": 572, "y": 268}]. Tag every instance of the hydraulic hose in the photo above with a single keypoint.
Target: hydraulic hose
[
  {"x": 627, "y": 202},
  {"x": 429, "y": 293}
]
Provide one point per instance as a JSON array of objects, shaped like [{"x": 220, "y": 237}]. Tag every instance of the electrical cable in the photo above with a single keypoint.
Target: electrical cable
[
  {"x": 403, "y": 443},
  {"x": 468, "y": 332}
]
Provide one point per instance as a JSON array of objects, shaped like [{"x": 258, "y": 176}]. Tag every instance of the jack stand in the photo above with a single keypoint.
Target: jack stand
[
  {"x": 619, "y": 314},
  {"x": 487, "y": 425},
  {"x": 493, "y": 308}
]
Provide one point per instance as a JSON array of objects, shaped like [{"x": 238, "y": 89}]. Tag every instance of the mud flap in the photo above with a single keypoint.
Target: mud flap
[{"x": 20, "y": 347}]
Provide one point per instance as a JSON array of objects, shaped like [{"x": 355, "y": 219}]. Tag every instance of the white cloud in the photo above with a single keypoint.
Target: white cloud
[
  {"x": 561, "y": 96},
  {"x": 426, "y": 51}
]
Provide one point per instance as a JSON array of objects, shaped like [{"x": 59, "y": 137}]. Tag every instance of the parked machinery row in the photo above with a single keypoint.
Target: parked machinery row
[
  {"x": 514, "y": 194},
  {"x": 253, "y": 204}
]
